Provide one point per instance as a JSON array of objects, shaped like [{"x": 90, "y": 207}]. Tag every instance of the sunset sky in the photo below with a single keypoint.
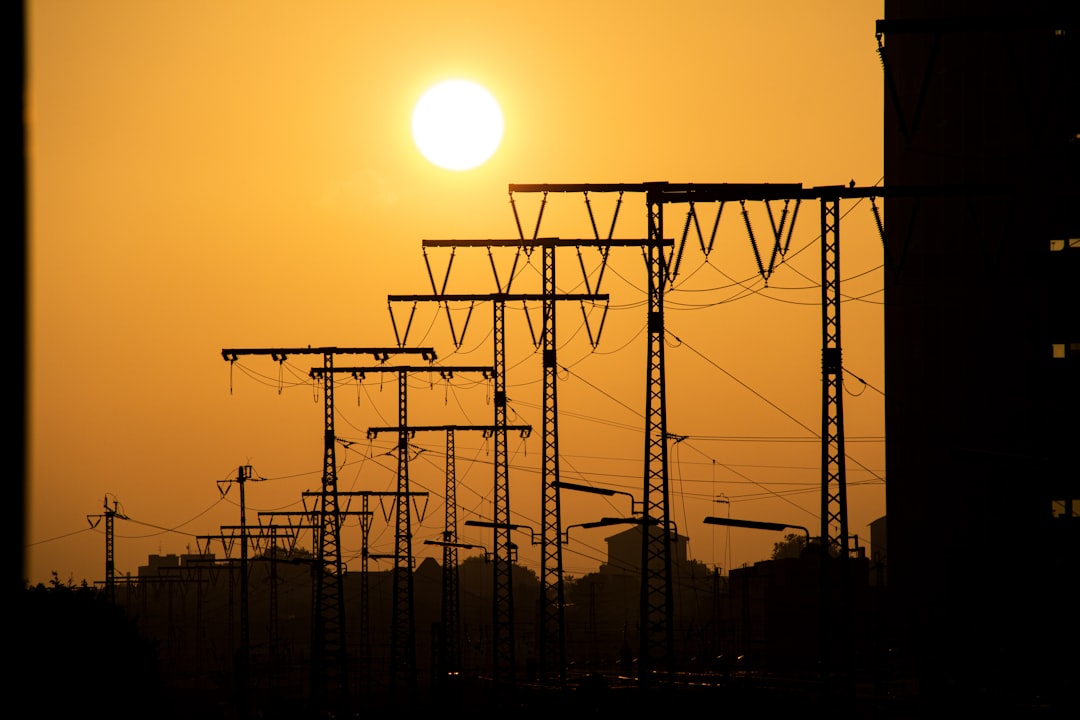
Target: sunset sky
[{"x": 207, "y": 175}]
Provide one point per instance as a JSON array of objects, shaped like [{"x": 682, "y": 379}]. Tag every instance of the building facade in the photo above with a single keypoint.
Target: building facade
[{"x": 982, "y": 343}]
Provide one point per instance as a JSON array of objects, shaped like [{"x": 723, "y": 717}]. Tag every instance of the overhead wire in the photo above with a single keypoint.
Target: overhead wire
[{"x": 298, "y": 379}]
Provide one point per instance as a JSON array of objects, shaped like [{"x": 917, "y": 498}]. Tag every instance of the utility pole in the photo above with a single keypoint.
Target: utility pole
[
  {"x": 836, "y": 602},
  {"x": 450, "y": 646},
  {"x": 656, "y": 659},
  {"x": 229, "y": 535},
  {"x": 204, "y": 545},
  {"x": 243, "y": 657},
  {"x": 366, "y": 516},
  {"x": 290, "y": 531},
  {"x": 403, "y": 629},
  {"x": 110, "y": 516},
  {"x": 551, "y": 631},
  {"x": 273, "y": 533},
  {"x": 835, "y": 565},
  {"x": 329, "y": 671}
]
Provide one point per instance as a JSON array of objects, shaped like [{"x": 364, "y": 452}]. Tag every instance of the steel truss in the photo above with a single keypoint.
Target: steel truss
[
  {"x": 329, "y": 652},
  {"x": 551, "y": 632}
]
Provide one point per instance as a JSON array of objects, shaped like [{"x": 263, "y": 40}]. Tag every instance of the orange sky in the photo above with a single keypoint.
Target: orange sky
[{"x": 206, "y": 175}]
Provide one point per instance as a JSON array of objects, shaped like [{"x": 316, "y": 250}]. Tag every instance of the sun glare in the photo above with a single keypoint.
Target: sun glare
[{"x": 457, "y": 125}]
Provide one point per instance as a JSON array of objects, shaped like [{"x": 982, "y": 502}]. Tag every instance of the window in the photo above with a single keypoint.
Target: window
[
  {"x": 1064, "y": 508},
  {"x": 1057, "y": 245}
]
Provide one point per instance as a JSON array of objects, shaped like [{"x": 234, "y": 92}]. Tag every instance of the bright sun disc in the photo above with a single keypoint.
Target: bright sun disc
[{"x": 457, "y": 125}]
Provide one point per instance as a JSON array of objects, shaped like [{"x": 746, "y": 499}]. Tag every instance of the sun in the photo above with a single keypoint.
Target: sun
[{"x": 457, "y": 125}]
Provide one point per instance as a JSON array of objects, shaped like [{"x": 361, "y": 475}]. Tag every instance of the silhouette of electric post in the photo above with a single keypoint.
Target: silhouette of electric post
[
  {"x": 291, "y": 532},
  {"x": 204, "y": 543},
  {"x": 403, "y": 629},
  {"x": 314, "y": 513},
  {"x": 164, "y": 579},
  {"x": 449, "y": 657},
  {"x": 657, "y": 639},
  {"x": 253, "y": 535},
  {"x": 110, "y": 515},
  {"x": 552, "y": 633},
  {"x": 836, "y": 550},
  {"x": 635, "y": 510},
  {"x": 273, "y": 533},
  {"x": 835, "y": 614},
  {"x": 590, "y": 632},
  {"x": 450, "y": 646},
  {"x": 837, "y": 682},
  {"x": 835, "y": 542},
  {"x": 243, "y": 658},
  {"x": 329, "y": 653},
  {"x": 365, "y": 515},
  {"x": 229, "y": 535}
]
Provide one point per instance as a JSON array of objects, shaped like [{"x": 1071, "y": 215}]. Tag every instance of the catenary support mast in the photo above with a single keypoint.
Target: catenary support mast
[
  {"x": 110, "y": 515},
  {"x": 552, "y": 632},
  {"x": 657, "y": 641},
  {"x": 449, "y": 660},
  {"x": 403, "y": 628},
  {"x": 329, "y": 652}
]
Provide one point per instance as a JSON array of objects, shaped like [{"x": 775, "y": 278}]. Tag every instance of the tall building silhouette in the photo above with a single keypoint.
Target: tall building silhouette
[{"x": 982, "y": 344}]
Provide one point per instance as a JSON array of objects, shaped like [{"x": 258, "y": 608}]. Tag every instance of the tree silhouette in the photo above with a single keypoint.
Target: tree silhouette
[
  {"x": 72, "y": 646},
  {"x": 790, "y": 547}
]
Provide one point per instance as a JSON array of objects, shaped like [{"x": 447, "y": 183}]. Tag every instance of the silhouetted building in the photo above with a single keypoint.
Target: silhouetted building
[
  {"x": 773, "y": 611},
  {"x": 982, "y": 345},
  {"x": 879, "y": 552},
  {"x": 603, "y": 610},
  {"x": 624, "y": 552}
]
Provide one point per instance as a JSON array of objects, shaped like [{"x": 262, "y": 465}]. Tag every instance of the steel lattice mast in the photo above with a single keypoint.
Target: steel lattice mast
[
  {"x": 552, "y": 598},
  {"x": 503, "y": 610},
  {"x": 291, "y": 531},
  {"x": 503, "y": 588},
  {"x": 657, "y": 606},
  {"x": 110, "y": 515},
  {"x": 329, "y": 652},
  {"x": 403, "y": 629},
  {"x": 834, "y": 527},
  {"x": 245, "y": 533},
  {"x": 657, "y": 640},
  {"x": 365, "y": 514},
  {"x": 110, "y": 553},
  {"x": 655, "y": 598},
  {"x": 834, "y": 540},
  {"x": 243, "y": 475},
  {"x": 403, "y": 632},
  {"x": 450, "y": 618},
  {"x": 450, "y": 649},
  {"x": 835, "y": 563},
  {"x": 836, "y": 550}
]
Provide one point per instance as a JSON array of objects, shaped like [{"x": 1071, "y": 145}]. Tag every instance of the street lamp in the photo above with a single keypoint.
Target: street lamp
[
  {"x": 756, "y": 525},
  {"x": 508, "y": 526},
  {"x": 635, "y": 508},
  {"x": 725, "y": 500},
  {"x": 463, "y": 546},
  {"x": 602, "y": 522}
]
